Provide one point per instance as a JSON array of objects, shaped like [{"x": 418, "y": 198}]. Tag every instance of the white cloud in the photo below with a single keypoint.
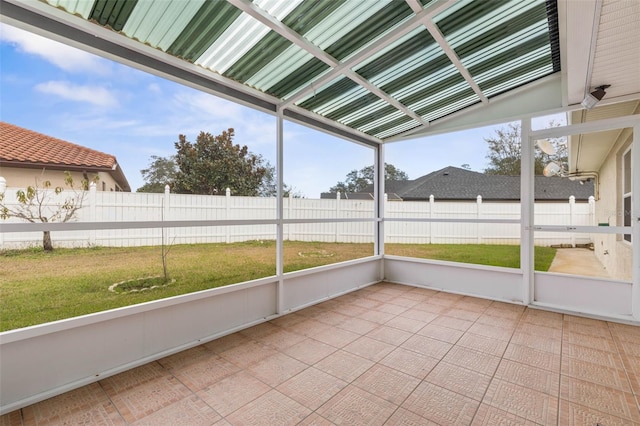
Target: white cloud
[
  {"x": 95, "y": 95},
  {"x": 65, "y": 57},
  {"x": 154, "y": 88}
]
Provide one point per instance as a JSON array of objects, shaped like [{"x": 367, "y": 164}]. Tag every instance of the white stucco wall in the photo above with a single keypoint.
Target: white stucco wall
[
  {"x": 22, "y": 177},
  {"x": 611, "y": 249}
]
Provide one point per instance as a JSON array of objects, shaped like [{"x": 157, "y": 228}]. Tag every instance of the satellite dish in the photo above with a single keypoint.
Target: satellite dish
[
  {"x": 551, "y": 169},
  {"x": 546, "y": 146}
]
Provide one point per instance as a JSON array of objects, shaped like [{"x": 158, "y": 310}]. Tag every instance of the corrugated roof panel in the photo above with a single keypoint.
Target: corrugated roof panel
[
  {"x": 160, "y": 24},
  {"x": 206, "y": 26},
  {"x": 324, "y": 95},
  {"x": 368, "y": 119},
  {"x": 241, "y": 36},
  {"x": 400, "y": 128},
  {"x": 112, "y": 13},
  {"x": 76, "y": 7}
]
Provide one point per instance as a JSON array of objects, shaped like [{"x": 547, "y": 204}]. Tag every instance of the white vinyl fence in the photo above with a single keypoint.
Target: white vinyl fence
[{"x": 101, "y": 206}]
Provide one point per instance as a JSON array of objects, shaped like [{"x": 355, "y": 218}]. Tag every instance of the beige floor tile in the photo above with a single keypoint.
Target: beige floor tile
[
  {"x": 233, "y": 392},
  {"x": 572, "y": 414},
  {"x": 439, "y": 332},
  {"x": 440, "y": 405},
  {"x": 535, "y": 358},
  {"x": 86, "y": 404},
  {"x": 336, "y": 337},
  {"x": 405, "y": 324},
  {"x": 227, "y": 342},
  {"x": 392, "y": 309},
  {"x": 14, "y": 418},
  {"x": 544, "y": 318},
  {"x": 204, "y": 372},
  {"x": 391, "y": 335},
  {"x": 280, "y": 339},
  {"x": 419, "y": 315},
  {"x": 265, "y": 328},
  {"x": 332, "y": 318},
  {"x": 288, "y": 320},
  {"x": 191, "y": 411},
  {"x": 410, "y": 362},
  {"x": 491, "y": 416},
  {"x": 378, "y": 317},
  {"x": 473, "y": 360},
  {"x": 389, "y": 384},
  {"x": 497, "y": 321},
  {"x": 366, "y": 303},
  {"x": 354, "y": 406},
  {"x": 309, "y": 351},
  {"x": 629, "y": 348},
  {"x": 404, "y": 302},
  {"x": 249, "y": 353},
  {"x": 460, "y": 380},
  {"x": 601, "y": 398},
  {"x": 539, "y": 330},
  {"x": 534, "y": 341},
  {"x": 133, "y": 378},
  {"x": 186, "y": 357},
  {"x": 358, "y": 325},
  {"x": 146, "y": 398},
  {"x": 451, "y": 322},
  {"x": 538, "y": 379},
  {"x": 522, "y": 401},
  {"x": 601, "y": 343},
  {"x": 403, "y": 417},
  {"x": 586, "y": 328},
  {"x": 276, "y": 369},
  {"x": 431, "y": 308},
  {"x": 427, "y": 346},
  {"x": 350, "y": 310},
  {"x": 595, "y": 373},
  {"x": 491, "y": 331},
  {"x": 312, "y": 387},
  {"x": 309, "y": 327},
  {"x": 495, "y": 347},
  {"x": 473, "y": 304},
  {"x": 272, "y": 408},
  {"x": 315, "y": 420},
  {"x": 463, "y": 314},
  {"x": 344, "y": 365},
  {"x": 371, "y": 349},
  {"x": 445, "y": 299},
  {"x": 592, "y": 355}
]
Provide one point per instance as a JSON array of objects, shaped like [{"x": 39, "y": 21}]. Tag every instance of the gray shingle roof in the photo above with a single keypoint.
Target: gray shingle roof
[{"x": 454, "y": 184}]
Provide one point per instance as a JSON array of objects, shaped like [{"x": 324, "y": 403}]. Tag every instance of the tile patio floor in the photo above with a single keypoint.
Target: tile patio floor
[{"x": 387, "y": 354}]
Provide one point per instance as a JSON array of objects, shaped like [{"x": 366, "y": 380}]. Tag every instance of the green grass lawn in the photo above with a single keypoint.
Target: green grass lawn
[{"x": 38, "y": 287}]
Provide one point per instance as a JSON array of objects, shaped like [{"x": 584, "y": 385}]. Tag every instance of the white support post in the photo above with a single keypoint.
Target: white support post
[
  {"x": 3, "y": 188},
  {"x": 635, "y": 221},
  {"x": 379, "y": 197},
  {"x": 280, "y": 211},
  {"x": 478, "y": 216},
  {"x": 165, "y": 214},
  {"x": 92, "y": 211},
  {"x": 572, "y": 218},
  {"x": 526, "y": 212},
  {"x": 227, "y": 216},
  {"x": 337, "y": 235}
]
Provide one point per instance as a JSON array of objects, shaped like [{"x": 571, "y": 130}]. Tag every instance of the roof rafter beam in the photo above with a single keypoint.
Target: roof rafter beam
[
  {"x": 262, "y": 16},
  {"x": 389, "y": 39},
  {"x": 453, "y": 57}
]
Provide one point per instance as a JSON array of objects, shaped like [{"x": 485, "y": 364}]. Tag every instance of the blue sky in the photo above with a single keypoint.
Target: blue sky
[{"x": 69, "y": 94}]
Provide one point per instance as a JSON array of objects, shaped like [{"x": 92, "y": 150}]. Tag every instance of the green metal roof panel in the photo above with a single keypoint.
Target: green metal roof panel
[{"x": 399, "y": 78}]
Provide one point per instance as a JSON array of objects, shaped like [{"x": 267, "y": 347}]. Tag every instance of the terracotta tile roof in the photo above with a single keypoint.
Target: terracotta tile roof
[{"x": 19, "y": 145}]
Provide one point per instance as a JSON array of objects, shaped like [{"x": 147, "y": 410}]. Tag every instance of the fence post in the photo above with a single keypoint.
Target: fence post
[
  {"x": 165, "y": 212},
  {"x": 93, "y": 198},
  {"x": 3, "y": 188},
  {"x": 227, "y": 215},
  {"x": 431, "y": 205},
  {"x": 572, "y": 219},
  {"x": 337, "y": 214},
  {"x": 478, "y": 216}
]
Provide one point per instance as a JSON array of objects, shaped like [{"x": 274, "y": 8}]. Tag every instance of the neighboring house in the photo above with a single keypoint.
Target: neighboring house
[
  {"x": 27, "y": 156},
  {"x": 607, "y": 154},
  {"x": 456, "y": 184}
]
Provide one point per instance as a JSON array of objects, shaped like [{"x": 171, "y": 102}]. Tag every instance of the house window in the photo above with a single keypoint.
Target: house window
[{"x": 626, "y": 191}]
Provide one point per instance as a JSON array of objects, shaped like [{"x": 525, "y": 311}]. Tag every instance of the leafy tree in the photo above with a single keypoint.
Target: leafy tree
[
  {"x": 214, "y": 163},
  {"x": 36, "y": 204},
  {"x": 269, "y": 185},
  {"x": 359, "y": 180},
  {"x": 504, "y": 152},
  {"x": 161, "y": 172}
]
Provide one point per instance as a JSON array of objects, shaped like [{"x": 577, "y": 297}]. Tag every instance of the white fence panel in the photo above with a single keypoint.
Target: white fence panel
[{"x": 122, "y": 206}]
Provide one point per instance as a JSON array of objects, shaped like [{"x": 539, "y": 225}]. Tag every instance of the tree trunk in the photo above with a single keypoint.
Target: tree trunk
[{"x": 46, "y": 241}]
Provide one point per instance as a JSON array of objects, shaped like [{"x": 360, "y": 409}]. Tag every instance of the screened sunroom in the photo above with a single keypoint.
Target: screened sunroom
[{"x": 377, "y": 74}]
